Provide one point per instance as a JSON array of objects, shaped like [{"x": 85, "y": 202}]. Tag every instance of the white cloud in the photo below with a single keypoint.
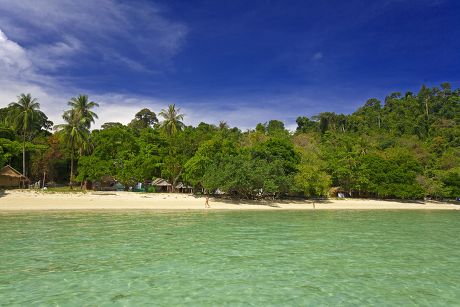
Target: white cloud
[
  {"x": 45, "y": 36},
  {"x": 13, "y": 58},
  {"x": 55, "y": 30},
  {"x": 114, "y": 107},
  {"x": 27, "y": 57},
  {"x": 55, "y": 55}
]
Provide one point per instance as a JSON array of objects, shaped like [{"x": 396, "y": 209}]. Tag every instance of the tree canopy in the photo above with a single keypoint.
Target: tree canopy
[{"x": 407, "y": 146}]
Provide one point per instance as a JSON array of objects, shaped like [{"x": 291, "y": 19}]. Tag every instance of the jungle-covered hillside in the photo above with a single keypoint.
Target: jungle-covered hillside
[{"x": 407, "y": 146}]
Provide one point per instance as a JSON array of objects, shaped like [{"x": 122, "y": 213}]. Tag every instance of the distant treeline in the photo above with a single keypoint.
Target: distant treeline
[{"x": 405, "y": 147}]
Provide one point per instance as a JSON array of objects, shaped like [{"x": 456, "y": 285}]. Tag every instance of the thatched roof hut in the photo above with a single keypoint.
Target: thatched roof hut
[
  {"x": 162, "y": 185},
  {"x": 184, "y": 188},
  {"x": 9, "y": 177}
]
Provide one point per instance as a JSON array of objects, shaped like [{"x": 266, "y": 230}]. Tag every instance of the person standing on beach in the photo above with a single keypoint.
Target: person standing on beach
[{"x": 206, "y": 203}]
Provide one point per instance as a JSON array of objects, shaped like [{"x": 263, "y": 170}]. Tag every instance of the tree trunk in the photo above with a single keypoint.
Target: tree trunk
[
  {"x": 24, "y": 154},
  {"x": 71, "y": 166},
  {"x": 426, "y": 107},
  {"x": 174, "y": 180}
]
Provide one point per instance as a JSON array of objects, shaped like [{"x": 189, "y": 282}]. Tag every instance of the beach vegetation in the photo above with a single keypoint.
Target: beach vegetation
[
  {"x": 172, "y": 119},
  {"x": 76, "y": 129},
  {"x": 405, "y": 147},
  {"x": 25, "y": 117}
]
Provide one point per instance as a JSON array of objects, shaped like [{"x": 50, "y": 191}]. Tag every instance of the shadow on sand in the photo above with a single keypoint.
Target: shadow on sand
[
  {"x": 299, "y": 201},
  {"x": 273, "y": 203},
  {"x": 402, "y": 201}
]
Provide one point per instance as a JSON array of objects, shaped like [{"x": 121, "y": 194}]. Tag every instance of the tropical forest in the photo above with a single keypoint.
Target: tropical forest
[{"x": 405, "y": 147}]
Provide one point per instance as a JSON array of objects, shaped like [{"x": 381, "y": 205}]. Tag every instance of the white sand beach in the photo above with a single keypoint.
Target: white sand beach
[{"x": 24, "y": 200}]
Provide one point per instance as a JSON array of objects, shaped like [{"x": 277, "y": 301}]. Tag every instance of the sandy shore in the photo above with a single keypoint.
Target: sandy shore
[{"x": 17, "y": 200}]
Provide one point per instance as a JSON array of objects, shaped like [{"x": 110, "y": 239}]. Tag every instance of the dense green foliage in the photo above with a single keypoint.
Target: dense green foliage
[
  {"x": 406, "y": 147},
  {"x": 76, "y": 128}
]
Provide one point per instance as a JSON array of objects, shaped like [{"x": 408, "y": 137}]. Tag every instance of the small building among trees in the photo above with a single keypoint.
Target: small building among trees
[
  {"x": 162, "y": 185},
  {"x": 11, "y": 178},
  {"x": 182, "y": 188}
]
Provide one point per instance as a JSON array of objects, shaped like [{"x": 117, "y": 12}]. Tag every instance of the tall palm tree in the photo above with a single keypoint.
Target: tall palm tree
[
  {"x": 25, "y": 113},
  {"x": 81, "y": 106},
  {"x": 223, "y": 125},
  {"x": 172, "y": 122},
  {"x": 172, "y": 119},
  {"x": 76, "y": 133}
]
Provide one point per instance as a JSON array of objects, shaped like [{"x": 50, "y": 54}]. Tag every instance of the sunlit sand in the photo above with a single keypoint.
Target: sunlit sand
[{"x": 16, "y": 200}]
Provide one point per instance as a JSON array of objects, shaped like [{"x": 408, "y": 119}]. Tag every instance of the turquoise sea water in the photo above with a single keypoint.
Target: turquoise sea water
[{"x": 403, "y": 258}]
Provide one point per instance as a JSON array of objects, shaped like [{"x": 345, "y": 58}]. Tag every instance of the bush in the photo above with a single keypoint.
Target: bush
[{"x": 151, "y": 190}]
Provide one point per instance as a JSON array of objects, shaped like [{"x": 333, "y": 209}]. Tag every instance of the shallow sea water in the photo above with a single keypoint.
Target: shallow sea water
[{"x": 403, "y": 258}]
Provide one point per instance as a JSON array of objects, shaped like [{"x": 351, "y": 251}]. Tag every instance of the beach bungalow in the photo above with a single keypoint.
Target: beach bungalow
[
  {"x": 162, "y": 185},
  {"x": 182, "y": 188},
  {"x": 9, "y": 178}
]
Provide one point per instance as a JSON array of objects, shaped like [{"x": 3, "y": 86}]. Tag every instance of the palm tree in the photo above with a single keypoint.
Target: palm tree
[
  {"x": 76, "y": 132},
  {"x": 81, "y": 106},
  {"x": 223, "y": 125},
  {"x": 172, "y": 119},
  {"x": 25, "y": 113}
]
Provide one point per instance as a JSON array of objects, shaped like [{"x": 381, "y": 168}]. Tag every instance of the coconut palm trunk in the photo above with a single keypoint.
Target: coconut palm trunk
[
  {"x": 71, "y": 164},
  {"x": 24, "y": 116},
  {"x": 24, "y": 154}
]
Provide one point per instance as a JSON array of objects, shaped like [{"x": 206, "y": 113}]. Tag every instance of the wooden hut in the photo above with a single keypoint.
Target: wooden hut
[
  {"x": 9, "y": 177},
  {"x": 184, "y": 188},
  {"x": 162, "y": 185}
]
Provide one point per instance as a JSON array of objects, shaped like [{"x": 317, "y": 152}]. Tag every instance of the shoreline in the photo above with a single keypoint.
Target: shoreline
[{"x": 32, "y": 200}]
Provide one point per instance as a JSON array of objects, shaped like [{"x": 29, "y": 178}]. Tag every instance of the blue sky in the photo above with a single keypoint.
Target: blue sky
[{"x": 240, "y": 61}]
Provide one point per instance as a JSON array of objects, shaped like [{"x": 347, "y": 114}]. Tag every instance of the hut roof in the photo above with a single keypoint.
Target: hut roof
[
  {"x": 160, "y": 182},
  {"x": 180, "y": 185},
  {"x": 10, "y": 172}
]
